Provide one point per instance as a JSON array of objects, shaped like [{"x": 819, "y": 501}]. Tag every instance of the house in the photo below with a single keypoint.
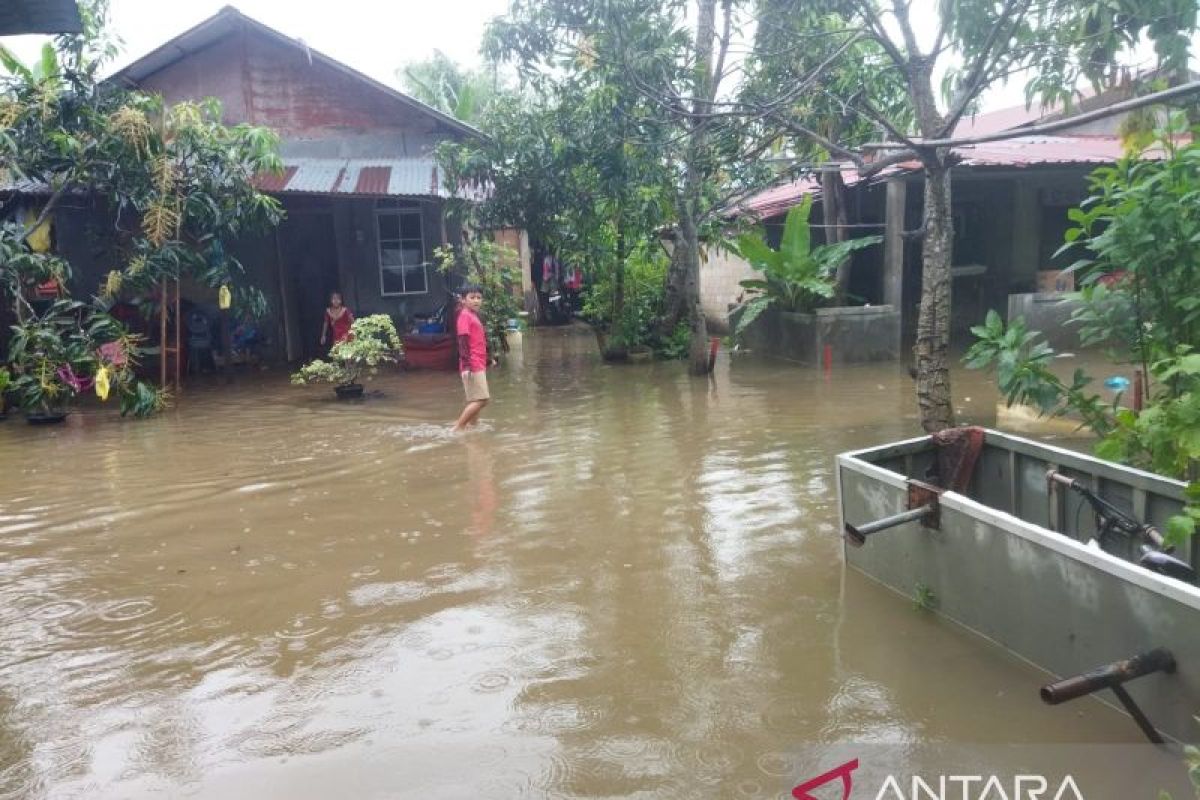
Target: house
[
  {"x": 1010, "y": 201},
  {"x": 365, "y": 205},
  {"x": 39, "y": 16}
]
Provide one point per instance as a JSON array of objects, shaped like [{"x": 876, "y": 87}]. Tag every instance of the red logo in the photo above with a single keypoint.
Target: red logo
[{"x": 801, "y": 792}]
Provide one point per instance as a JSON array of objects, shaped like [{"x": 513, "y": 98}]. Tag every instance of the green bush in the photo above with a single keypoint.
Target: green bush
[{"x": 373, "y": 341}]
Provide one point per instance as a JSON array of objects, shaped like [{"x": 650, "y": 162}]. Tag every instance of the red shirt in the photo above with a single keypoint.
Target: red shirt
[
  {"x": 472, "y": 357},
  {"x": 340, "y": 326}
]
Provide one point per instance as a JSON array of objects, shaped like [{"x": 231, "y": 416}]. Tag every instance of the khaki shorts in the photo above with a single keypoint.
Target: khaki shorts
[{"x": 475, "y": 385}]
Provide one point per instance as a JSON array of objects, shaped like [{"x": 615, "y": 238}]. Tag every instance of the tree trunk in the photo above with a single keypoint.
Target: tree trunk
[
  {"x": 618, "y": 352},
  {"x": 693, "y": 184},
  {"x": 833, "y": 207},
  {"x": 675, "y": 291},
  {"x": 689, "y": 244},
  {"x": 932, "y": 349}
]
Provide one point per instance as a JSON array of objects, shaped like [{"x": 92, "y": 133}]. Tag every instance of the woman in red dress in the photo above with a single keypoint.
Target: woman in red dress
[{"x": 337, "y": 320}]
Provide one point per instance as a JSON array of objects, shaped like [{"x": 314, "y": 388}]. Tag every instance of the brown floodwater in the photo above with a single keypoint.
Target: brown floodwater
[{"x": 626, "y": 584}]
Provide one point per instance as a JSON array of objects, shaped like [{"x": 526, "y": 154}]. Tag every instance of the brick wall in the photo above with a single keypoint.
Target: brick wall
[{"x": 719, "y": 276}]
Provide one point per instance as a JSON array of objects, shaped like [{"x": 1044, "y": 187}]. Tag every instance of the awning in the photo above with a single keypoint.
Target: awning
[{"x": 400, "y": 177}]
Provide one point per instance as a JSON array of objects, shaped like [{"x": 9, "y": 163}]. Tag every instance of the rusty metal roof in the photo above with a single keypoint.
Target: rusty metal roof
[
  {"x": 373, "y": 177},
  {"x": 228, "y": 21},
  {"x": 1016, "y": 153},
  {"x": 39, "y": 16},
  {"x": 367, "y": 177},
  {"x": 1024, "y": 151}
]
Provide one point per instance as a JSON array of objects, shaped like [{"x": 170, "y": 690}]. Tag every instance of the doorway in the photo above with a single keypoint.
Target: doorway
[{"x": 310, "y": 251}]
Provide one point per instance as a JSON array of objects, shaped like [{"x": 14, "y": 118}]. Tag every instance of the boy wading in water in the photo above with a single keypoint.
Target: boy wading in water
[{"x": 472, "y": 356}]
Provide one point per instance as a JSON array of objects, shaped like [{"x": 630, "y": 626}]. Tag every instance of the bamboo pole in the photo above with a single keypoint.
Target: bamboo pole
[
  {"x": 178, "y": 336},
  {"x": 162, "y": 335}
]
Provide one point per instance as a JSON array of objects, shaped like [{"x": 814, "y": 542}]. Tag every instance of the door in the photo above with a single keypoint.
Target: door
[{"x": 310, "y": 253}]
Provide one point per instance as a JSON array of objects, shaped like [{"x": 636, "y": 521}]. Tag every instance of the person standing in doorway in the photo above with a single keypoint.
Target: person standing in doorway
[
  {"x": 472, "y": 355},
  {"x": 338, "y": 319}
]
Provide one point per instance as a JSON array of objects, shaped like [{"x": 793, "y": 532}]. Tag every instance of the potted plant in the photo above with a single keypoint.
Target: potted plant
[
  {"x": 797, "y": 277},
  {"x": 373, "y": 341}
]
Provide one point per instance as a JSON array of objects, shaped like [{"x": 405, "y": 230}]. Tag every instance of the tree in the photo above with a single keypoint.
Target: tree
[
  {"x": 577, "y": 161},
  {"x": 1140, "y": 241},
  {"x": 176, "y": 183},
  {"x": 1060, "y": 40},
  {"x": 677, "y": 71},
  {"x": 438, "y": 81}
]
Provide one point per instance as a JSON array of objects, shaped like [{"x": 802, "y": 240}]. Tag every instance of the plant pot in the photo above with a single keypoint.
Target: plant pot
[
  {"x": 350, "y": 391},
  {"x": 46, "y": 418}
]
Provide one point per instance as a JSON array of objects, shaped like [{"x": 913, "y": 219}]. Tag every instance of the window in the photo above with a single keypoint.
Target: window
[{"x": 402, "y": 268}]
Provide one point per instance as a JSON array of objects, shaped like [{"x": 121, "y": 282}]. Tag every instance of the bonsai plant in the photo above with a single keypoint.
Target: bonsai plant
[
  {"x": 373, "y": 341},
  {"x": 797, "y": 277}
]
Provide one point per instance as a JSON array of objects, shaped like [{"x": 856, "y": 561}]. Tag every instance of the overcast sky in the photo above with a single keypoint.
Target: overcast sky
[{"x": 373, "y": 36}]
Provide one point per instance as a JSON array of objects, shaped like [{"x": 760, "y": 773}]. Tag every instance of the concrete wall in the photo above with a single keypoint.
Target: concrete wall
[
  {"x": 719, "y": 289},
  {"x": 853, "y": 335},
  {"x": 1050, "y": 314}
]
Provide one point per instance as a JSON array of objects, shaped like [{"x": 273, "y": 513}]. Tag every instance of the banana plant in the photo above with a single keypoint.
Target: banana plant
[{"x": 797, "y": 276}]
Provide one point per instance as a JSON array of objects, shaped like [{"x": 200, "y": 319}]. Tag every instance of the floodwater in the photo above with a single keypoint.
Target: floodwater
[{"x": 626, "y": 584}]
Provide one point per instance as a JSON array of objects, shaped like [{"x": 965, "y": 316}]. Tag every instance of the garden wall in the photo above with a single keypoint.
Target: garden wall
[
  {"x": 1048, "y": 313},
  {"x": 853, "y": 334}
]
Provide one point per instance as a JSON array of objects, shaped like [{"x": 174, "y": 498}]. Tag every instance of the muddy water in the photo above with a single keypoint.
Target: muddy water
[{"x": 627, "y": 584}]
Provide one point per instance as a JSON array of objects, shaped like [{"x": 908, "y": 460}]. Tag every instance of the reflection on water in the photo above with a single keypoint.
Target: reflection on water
[{"x": 627, "y": 583}]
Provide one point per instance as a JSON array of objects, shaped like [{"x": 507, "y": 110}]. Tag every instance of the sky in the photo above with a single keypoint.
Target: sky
[{"x": 376, "y": 37}]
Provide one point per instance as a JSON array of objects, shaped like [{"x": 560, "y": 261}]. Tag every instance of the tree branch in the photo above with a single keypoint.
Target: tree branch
[
  {"x": 979, "y": 70},
  {"x": 719, "y": 69}
]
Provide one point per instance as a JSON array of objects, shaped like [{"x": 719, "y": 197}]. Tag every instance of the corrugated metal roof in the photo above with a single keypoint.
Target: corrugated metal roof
[
  {"x": 1019, "y": 152},
  {"x": 400, "y": 177},
  {"x": 368, "y": 177},
  {"x": 1030, "y": 150},
  {"x": 39, "y": 16}
]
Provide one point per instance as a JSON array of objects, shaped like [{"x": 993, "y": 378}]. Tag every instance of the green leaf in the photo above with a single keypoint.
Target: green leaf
[
  {"x": 795, "y": 245},
  {"x": 751, "y": 311},
  {"x": 14, "y": 65},
  {"x": 753, "y": 248},
  {"x": 1180, "y": 529},
  {"x": 48, "y": 66}
]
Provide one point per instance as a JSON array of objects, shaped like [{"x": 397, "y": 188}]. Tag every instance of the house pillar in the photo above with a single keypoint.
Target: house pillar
[
  {"x": 346, "y": 224},
  {"x": 893, "y": 244},
  {"x": 287, "y": 303},
  {"x": 1026, "y": 235}
]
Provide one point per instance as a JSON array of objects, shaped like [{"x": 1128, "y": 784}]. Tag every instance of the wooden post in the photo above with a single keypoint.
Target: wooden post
[
  {"x": 178, "y": 337},
  {"x": 162, "y": 334},
  {"x": 227, "y": 345},
  {"x": 289, "y": 339}
]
